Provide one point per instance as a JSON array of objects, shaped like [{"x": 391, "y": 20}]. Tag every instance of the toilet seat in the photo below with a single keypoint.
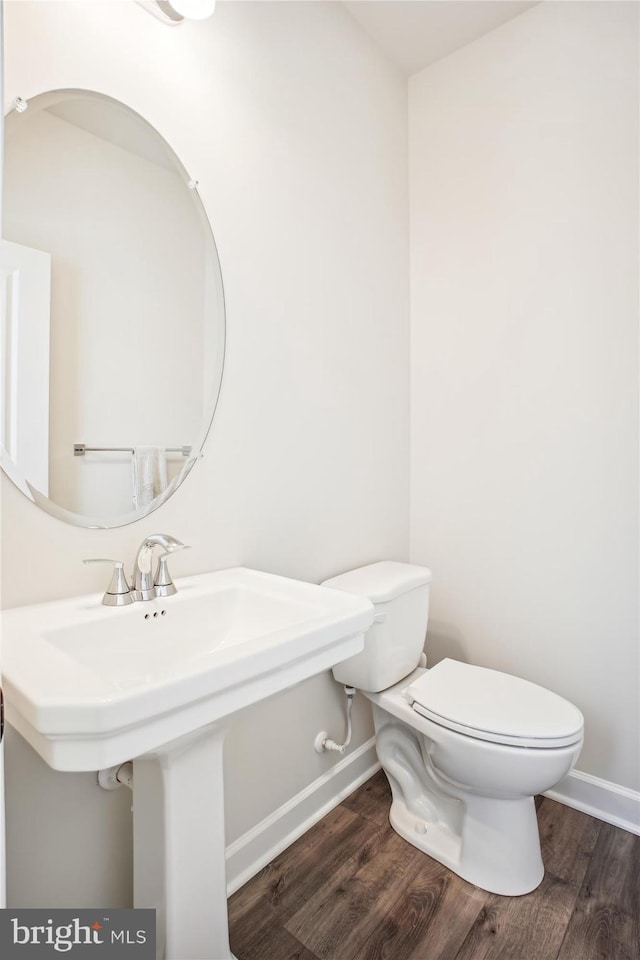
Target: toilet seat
[{"x": 497, "y": 707}]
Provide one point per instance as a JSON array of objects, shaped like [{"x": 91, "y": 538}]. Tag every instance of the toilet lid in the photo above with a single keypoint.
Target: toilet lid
[{"x": 494, "y": 706}]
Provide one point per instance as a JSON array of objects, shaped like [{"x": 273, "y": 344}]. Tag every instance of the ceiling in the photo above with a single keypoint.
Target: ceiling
[{"x": 415, "y": 33}]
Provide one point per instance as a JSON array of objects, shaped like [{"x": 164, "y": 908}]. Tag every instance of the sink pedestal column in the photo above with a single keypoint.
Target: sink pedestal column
[{"x": 179, "y": 845}]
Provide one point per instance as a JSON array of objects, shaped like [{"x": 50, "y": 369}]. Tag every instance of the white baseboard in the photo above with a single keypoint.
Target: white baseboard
[
  {"x": 599, "y": 798},
  {"x": 256, "y": 848}
]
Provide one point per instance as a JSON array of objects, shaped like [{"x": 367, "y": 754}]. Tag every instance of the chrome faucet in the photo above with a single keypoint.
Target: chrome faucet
[
  {"x": 146, "y": 586},
  {"x": 118, "y": 593}
]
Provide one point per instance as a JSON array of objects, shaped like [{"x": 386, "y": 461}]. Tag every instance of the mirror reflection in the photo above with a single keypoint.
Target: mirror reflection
[{"x": 112, "y": 311}]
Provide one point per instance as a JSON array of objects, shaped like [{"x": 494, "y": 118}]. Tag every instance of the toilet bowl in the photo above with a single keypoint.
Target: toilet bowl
[{"x": 465, "y": 749}]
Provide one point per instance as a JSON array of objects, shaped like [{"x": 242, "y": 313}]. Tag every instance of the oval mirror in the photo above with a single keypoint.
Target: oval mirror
[{"x": 113, "y": 322}]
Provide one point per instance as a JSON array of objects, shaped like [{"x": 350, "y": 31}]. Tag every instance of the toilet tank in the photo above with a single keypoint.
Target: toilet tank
[{"x": 393, "y": 644}]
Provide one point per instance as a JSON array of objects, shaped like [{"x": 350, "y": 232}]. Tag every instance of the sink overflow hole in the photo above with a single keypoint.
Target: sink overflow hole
[{"x": 148, "y": 616}]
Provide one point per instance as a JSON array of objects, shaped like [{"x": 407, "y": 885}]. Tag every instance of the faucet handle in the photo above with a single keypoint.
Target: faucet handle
[
  {"x": 118, "y": 593},
  {"x": 165, "y": 587}
]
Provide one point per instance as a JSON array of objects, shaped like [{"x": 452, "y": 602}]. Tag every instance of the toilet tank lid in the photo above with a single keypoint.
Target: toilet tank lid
[{"x": 382, "y": 581}]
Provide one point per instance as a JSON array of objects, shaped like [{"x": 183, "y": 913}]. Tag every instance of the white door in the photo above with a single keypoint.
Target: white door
[{"x": 24, "y": 362}]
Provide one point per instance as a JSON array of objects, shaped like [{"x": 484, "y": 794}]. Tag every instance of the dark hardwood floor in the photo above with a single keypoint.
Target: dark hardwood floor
[{"x": 352, "y": 889}]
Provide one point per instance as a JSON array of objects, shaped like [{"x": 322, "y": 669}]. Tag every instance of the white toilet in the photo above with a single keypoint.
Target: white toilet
[{"x": 465, "y": 749}]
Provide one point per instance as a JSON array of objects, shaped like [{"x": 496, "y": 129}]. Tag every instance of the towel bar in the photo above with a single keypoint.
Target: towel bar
[{"x": 79, "y": 450}]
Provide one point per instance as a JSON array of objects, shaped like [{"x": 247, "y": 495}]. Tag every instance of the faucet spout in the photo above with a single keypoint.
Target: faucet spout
[{"x": 143, "y": 587}]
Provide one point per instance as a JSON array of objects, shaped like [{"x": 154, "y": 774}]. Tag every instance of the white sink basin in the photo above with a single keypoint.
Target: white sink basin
[{"x": 91, "y": 686}]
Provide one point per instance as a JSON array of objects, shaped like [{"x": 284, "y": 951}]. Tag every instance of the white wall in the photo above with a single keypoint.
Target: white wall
[
  {"x": 524, "y": 279},
  {"x": 296, "y": 130}
]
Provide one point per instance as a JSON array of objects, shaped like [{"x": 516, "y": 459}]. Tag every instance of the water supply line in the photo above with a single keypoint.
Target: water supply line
[{"x": 323, "y": 741}]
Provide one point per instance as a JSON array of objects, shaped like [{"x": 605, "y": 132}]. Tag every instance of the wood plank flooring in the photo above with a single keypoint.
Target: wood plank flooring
[{"x": 352, "y": 889}]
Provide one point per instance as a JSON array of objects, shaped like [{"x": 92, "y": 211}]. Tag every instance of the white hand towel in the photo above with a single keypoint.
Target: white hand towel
[{"x": 149, "y": 475}]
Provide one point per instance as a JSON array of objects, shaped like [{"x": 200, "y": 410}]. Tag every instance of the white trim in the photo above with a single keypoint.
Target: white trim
[
  {"x": 247, "y": 855},
  {"x": 599, "y": 798},
  {"x": 258, "y": 846}
]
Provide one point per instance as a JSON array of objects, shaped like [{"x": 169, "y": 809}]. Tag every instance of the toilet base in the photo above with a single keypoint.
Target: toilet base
[
  {"x": 490, "y": 841},
  {"x": 497, "y": 849}
]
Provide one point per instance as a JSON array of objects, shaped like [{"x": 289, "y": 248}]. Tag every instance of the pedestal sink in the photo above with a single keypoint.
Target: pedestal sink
[{"x": 91, "y": 687}]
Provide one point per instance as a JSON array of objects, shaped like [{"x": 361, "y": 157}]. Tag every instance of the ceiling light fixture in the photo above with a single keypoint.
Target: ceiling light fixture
[{"x": 175, "y": 11}]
